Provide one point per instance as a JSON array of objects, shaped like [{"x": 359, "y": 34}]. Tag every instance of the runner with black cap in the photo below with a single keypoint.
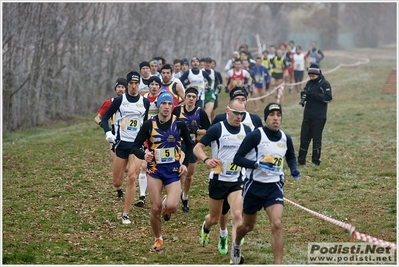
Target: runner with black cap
[
  {"x": 263, "y": 152},
  {"x": 132, "y": 110},
  {"x": 145, "y": 75},
  {"x": 120, "y": 88}
]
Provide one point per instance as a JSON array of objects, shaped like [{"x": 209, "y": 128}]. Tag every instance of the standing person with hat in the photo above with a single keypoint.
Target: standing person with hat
[
  {"x": 145, "y": 75},
  {"x": 165, "y": 133},
  {"x": 198, "y": 123},
  {"x": 315, "y": 97},
  {"x": 154, "y": 85},
  {"x": 262, "y": 153},
  {"x": 120, "y": 88},
  {"x": 195, "y": 77},
  {"x": 131, "y": 111}
]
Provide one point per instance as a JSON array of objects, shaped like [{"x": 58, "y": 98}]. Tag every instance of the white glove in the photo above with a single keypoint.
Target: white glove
[{"x": 110, "y": 137}]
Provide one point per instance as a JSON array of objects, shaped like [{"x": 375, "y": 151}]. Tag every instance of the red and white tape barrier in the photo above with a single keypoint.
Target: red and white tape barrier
[{"x": 347, "y": 226}]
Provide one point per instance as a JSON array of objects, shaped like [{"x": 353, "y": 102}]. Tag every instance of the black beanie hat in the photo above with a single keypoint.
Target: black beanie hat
[
  {"x": 272, "y": 107},
  {"x": 121, "y": 81},
  {"x": 155, "y": 79},
  {"x": 144, "y": 64},
  {"x": 314, "y": 69},
  {"x": 236, "y": 91}
]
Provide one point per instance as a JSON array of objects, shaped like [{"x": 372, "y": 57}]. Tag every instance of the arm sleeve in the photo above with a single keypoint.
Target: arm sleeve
[
  {"x": 104, "y": 107},
  {"x": 322, "y": 93},
  {"x": 176, "y": 111},
  {"x": 228, "y": 65},
  {"x": 184, "y": 79},
  {"x": 212, "y": 134},
  {"x": 290, "y": 154},
  {"x": 267, "y": 76},
  {"x": 187, "y": 140},
  {"x": 208, "y": 78},
  {"x": 205, "y": 123},
  {"x": 219, "y": 79},
  {"x": 250, "y": 141},
  {"x": 321, "y": 54},
  {"x": 142, "y": 135},
  {"x": 147, "y": 107},
  {"x": 110, "y": 111}
]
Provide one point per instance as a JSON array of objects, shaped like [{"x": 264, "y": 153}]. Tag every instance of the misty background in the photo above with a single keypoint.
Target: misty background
[{"x": 60, "y": 60}]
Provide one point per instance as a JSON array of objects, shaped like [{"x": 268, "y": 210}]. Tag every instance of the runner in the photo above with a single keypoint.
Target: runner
[
  {"x": 225, "y": 178},
  {"x": 262, "y": 77},
  {"x": 152, "y": 95},
  {"x": 195, "y": 77},
  {"x": 120, "y": 88},
  {"x": 170, "y": 86},
  {"x": 165, "y": 133},
  {"x": 236, "y": 76},
  {"x": 197, "y": 122},
  {"x": 132, "y": 111},
  {"x": 145, "y": 75}
]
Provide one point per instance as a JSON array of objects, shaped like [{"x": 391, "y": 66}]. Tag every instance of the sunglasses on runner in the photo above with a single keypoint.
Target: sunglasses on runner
[{"x": 235, "y": 112}]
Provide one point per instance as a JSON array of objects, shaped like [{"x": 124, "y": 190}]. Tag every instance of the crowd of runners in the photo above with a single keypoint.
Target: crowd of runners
[{"x": 164, "y": 115}]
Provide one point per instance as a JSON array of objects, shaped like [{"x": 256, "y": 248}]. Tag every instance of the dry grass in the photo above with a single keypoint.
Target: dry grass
[{"x": 59, "y": 206}]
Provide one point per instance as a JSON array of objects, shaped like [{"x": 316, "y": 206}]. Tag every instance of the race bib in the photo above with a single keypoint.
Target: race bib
[
  {"x": 272, "y": 164},
  {"x": 231, "y": 168},
  {"x": 130, "y": 125},
  {"x": 165, "y": 155}
]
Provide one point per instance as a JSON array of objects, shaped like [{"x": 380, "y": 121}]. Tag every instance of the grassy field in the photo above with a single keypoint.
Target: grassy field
[{"x": 59, "y": 205}]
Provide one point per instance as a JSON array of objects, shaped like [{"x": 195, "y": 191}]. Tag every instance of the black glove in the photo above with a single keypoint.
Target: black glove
[
  {"x": 226, "y": 89},
  {"x": 100, "y": 124},
  {"x": 302, "y": 93},
  {"x": 192, "y": 129}
]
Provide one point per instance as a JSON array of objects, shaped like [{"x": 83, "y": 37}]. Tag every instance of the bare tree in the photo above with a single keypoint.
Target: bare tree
[{"x": 61, "y": 59}]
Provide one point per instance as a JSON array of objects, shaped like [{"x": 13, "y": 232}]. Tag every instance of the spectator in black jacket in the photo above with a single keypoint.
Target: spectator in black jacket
[{"x": 316, "y": 95}]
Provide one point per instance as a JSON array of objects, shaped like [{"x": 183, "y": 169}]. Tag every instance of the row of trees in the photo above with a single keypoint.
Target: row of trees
[{"x": 61, "y": 59}]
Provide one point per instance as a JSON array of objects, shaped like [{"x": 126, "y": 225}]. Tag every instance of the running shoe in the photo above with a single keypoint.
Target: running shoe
[
  {"x": 223, "y": 245},
  {"x": 235, "y": 254},
  {"x": 120, "y": 194},
  {"x": 166, "y": 216},
  {"x": 204, "y": 237},
  {"x": 241, "y": 261},
  {"x": 141, "y": 202},
  {"x": 184, "y": 205},
  {"x": 125, "y": 219},
  {"x": 157, "y": 245}
]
